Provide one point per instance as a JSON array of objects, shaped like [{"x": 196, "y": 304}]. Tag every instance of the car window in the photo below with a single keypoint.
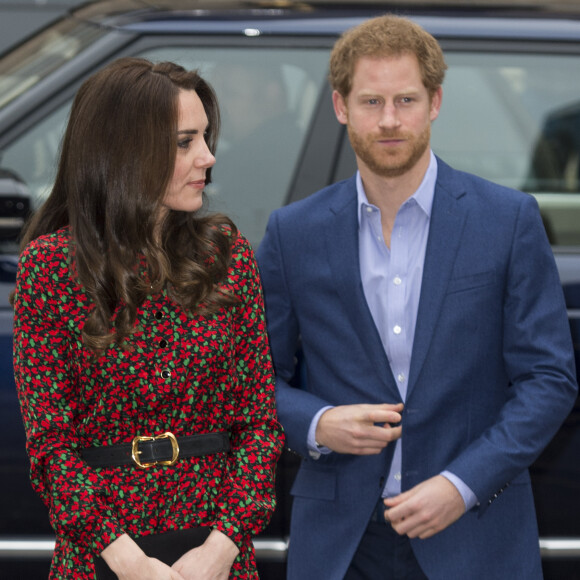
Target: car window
[
  {"x": 42, "y": 55},
  {"x": 267, "y": 99},
  {"x": 33, "y": 156},
  {"x": 509, "y": 117},
  {"x": 515, "y": 119}
]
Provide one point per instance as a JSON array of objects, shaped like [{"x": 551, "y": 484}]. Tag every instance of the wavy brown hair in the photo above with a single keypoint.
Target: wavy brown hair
[
  {"x": 117, "y": 159},
  {"x": 386, "y": 36}
]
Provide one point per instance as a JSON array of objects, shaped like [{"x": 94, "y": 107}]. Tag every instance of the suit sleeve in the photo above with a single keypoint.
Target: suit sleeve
[
  {"x": 296, "y": 406},
  {"x": 539, "y": 362}
]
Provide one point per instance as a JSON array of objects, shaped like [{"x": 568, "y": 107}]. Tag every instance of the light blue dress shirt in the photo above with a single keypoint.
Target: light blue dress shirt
[{"x": 391, "y": 280}]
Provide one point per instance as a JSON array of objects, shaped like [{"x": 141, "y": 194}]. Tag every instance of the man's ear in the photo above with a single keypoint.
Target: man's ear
[
  {"x": 436, "y": 103},
  {"x": 340, "y": 108}
]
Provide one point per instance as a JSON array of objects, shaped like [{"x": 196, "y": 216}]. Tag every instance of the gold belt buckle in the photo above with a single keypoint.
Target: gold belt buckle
[{"x": 139, "y": 438}]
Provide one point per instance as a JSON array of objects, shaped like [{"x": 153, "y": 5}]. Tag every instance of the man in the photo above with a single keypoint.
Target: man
[{"x": 423, "y": 295}]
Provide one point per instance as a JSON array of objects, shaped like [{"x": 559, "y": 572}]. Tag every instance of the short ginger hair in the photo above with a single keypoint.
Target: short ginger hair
[{"x": 386, "y": 36}]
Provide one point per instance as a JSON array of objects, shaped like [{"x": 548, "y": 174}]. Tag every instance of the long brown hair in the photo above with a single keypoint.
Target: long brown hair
[{"x": 116, "y": 162}]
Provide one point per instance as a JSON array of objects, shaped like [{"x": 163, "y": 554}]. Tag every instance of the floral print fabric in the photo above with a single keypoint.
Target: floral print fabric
[{"x": 181, "y": 373}]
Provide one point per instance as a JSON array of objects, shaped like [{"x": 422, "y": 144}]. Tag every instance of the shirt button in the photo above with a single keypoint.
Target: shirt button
[
  {"x": 397, "y": 329},
  {"x": 369, "y": 209},
  {"x": 401, "y": 377},
  {"x": 397, "y": 281},
  {"x": 165, "y": 374},
  {"x": 397, "y": 476},
  {"x": 158, "y": 315},
  {"x": 163, "y": 343}
]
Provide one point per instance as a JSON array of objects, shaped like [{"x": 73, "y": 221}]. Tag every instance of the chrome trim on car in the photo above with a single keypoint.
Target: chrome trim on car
[
  {"x": 573, "y": 313},
  {"x": 272, "y": 550},
  {"x": 552, "y": 548},
  {"x": 37, "y": 549}
]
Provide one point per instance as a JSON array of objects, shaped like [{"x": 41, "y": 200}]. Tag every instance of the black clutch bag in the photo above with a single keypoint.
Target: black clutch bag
[{"x": 167, "y": 547}]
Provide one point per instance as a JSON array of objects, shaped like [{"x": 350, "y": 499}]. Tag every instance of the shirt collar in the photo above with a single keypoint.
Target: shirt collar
[{"x": 423, "y": 196}]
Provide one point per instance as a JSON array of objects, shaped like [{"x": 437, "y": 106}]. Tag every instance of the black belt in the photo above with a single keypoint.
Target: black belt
[{"x": 164, "y": 449}]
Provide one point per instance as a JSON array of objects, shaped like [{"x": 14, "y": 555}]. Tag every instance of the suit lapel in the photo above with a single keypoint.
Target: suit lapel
[
  {"x": 445, "y": 233},
  {"x": 343, "y": 257}
]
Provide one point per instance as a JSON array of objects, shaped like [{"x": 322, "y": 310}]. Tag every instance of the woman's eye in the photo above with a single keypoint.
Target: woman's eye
[{"x": 184, "y": 143}]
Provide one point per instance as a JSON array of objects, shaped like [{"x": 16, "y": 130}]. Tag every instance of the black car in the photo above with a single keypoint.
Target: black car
[{"x": 511, "y": 113}]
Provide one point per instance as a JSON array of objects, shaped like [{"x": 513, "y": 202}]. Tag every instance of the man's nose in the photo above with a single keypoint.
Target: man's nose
[{"x": 390, "y": 116}]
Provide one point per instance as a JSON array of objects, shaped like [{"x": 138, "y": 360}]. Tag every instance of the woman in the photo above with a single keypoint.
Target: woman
[{"x": 141, "y": 355}]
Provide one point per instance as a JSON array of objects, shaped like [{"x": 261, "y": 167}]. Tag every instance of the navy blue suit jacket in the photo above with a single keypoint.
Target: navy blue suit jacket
[{"x": 491, "y": 380}]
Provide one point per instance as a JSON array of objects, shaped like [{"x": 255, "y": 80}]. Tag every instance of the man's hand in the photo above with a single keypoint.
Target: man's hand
[
  {"x": 426, "y": 509},
  {"x": 359, "y": 429}
]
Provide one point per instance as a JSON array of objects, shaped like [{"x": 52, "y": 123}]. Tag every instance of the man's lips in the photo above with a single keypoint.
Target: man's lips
[
  {"x": 391, "y": 137},
  {"x": 390, "y": 141}
]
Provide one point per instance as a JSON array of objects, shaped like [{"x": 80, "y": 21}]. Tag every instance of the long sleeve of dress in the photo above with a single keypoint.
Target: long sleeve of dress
[
  {"x": 247, "y": 496},
  {"x": 75, "y": 494}
]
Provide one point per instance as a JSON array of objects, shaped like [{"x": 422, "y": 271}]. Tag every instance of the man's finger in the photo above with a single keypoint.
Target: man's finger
[{"x": 385, "y": 415}]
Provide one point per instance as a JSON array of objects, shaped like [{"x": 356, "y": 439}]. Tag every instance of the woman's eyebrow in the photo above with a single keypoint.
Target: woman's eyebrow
[{"x": 192, "y": 131}]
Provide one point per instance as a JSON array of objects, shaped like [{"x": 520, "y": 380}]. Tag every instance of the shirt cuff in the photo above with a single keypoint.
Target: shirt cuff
[
  {"x": 469, "y": 498},
  {"x": 315, "y": 450}
]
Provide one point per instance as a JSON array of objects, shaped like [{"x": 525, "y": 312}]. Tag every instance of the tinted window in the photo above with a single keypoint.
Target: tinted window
[
  {"x": 45, "y": 53},
  {"x": 512, "y": 118},
  {"x": 515, "y": 119},
  {"x": 266, "y": 97}
]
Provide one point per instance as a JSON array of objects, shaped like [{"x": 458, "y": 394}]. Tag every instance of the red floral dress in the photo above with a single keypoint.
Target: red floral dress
[{"x": 181, "y": 374}]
